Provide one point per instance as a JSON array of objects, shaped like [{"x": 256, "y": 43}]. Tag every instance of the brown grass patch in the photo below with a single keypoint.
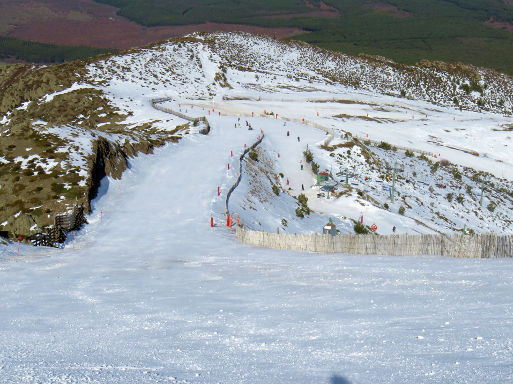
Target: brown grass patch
[
  {"x": 84, "y": 22},
  {"x": 388, "y": 8},
  {"x": 491, "y": 22}
]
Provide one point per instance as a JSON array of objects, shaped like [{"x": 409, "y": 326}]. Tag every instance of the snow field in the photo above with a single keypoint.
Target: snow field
[{"x": 149, "y": 293}]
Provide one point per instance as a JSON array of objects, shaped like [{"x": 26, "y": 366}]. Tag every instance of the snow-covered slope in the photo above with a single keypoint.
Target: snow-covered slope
[
  {"x": 245, "y": 75},
  {"x": 148, "y": 292}
]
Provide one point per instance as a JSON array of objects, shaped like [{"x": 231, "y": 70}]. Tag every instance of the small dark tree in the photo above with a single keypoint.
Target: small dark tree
[{"x": 360, "y": 228}]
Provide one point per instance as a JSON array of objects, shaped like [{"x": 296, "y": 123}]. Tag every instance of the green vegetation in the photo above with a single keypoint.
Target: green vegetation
[
  {"x": 384, "y": 145},
  {"x": 402, "y": 210},
  {"x": 360, "y": 228},
  {"x": 29, "y": 51},
  {"x": 302, "y": 208},
  {"x": 276, "y": 190},
  {"x": 315, "y": 167},
  {"x": 308, "y": 155},
  {"x": 253, "y": 155},
  {"x": 406, "y": 31}
]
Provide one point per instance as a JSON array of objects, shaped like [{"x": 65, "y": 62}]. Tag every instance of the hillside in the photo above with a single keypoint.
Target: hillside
[
  {"x": 149, "y": 291},
  {"x": 63, "y": 127}
]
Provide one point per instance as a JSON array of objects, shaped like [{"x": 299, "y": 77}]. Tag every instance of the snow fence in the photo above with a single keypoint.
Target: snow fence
[
  {"x": 194, "y": 120},
  {"x": 458, "y": 245},
  {"x": 239, "y": 176}
]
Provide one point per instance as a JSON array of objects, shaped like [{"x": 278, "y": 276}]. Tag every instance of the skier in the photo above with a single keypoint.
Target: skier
[
  {"x": 302, "y": 187},
  {"x": 298, "y": 139},
  {"x": 288, "y": 133},
  {"x": 393, "y": 229}
]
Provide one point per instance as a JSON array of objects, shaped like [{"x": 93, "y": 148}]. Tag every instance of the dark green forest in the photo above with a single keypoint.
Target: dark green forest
[
  {"x": 15, "y": 49},
  {"x": 448, "y": 30}
]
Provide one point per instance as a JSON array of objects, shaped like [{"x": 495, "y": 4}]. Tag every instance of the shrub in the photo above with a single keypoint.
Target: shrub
[
  {"x": 360, "y": 228},
  {"x": 308, "y": 155},
  {"x": 449, "y": 197},
  {"x": 302, "y": 199},
  {"x": 284, "y": 222},
  {"x": 386, "y": 206},
  {"x": 434, "y": 167},
  {"x": 303, "y": 208},
  {"x": 253, "y": 155},
  {"x": 384, "y": 145},
  {"x": 456, "y": 174},
  {"x": 402, "y": 210},
  {"x": 409, "y": 153},
  {"x": 491, "y": 206},
  {"x": 276, "y": 190},
  {"x": 460, "y": 198},
  {"x": 315, "y": 167}
]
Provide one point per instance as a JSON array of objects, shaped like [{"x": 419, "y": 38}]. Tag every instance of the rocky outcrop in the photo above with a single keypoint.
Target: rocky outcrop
[{"x": 111, "y": 159}]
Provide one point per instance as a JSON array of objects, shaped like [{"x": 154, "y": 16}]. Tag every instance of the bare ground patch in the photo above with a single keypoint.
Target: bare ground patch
[
  {"x": 389, "y": 8},
  {"x": 491, "y": 22}
]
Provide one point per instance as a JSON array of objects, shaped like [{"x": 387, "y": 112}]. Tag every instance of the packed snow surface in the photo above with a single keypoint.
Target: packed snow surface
[{"x": 149, "y": 293}]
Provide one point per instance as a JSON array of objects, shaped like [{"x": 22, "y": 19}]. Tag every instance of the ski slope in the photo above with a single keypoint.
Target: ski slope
[{"x": 149, "y": 293}]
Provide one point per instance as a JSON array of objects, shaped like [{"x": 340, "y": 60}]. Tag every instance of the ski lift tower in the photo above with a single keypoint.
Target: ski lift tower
[{"x": 396, "y": 168}]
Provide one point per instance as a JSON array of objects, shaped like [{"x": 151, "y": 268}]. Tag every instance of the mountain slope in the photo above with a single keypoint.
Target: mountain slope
[{"x": 66, "y": 109}]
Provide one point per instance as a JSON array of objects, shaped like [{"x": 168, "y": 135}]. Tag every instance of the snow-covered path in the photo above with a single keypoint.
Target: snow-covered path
[{"x": 151, "y": 294}]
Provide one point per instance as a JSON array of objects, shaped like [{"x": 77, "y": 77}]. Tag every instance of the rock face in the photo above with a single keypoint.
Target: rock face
[{"x": 111, "y": 159}]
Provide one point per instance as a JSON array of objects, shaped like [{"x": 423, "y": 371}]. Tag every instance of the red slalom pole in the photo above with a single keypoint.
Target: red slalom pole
[
  {"x": 218, "y": 191},
  {"x": 228, "y": 166},
  {"x": 227, "y": 220},
  {"x": 231, "y": 153},
  {"x": 211, "y": 222}
]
